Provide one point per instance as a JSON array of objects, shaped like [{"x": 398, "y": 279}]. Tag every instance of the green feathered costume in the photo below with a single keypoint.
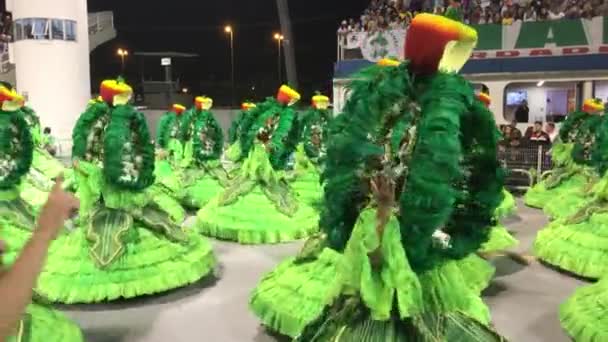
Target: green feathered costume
[
  {"x": 240, "y": 127},
  {"x": 565, "y": 188},
  {"x": 311, "y": 152},
  {"x": 39, "y": 180},
  {"x": 578, "y": 243},
  {"x": 259, "y": 206},
  {"x": 171, "y": 149},
  {"x": 423, "y": 286},
  {"x": 39, "y": 323},
  {"x": 129, "y": 241},
  {"x": 203, "y": 176}
]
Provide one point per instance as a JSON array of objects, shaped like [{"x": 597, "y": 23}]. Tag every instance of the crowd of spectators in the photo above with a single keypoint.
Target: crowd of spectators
[
  {"x": 395, "y": 14},
  {"x": 534, "y": 135}
]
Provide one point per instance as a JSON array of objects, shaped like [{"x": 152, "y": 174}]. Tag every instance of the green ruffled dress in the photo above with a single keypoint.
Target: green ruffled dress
[
  {"x": 579, "y": 243},
  {"x": 585, "y": 315},
  {"x": 125, "y": 248},
  {"x": 42, "y": 324},
  {"x": 566, "y": 182},
  {"x": 391, "y": 291},
  {"x": 258, "y": 207},
  {"x": 306, "y": 179},
  {"x": 507, "y": 207},
  {"x": 291, "y": 296},
  {"x": 203, "y": 176}
]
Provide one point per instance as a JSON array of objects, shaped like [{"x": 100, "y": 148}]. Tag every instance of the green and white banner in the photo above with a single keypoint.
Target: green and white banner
[
  {"x": 522, "y": 39},
  {"x": 543, "y": 38}
]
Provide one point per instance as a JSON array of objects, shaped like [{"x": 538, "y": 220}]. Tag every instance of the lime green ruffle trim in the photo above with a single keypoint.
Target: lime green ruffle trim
[
  {"x": 253, "y": 219},
  {"x": 581, "y": 249},
  {"x": 308, "y": 188},
  {"x": 233, "y": 153},
  {"x": 500, "y": 239},
  {"x": 507, "y": 207},
  {"x": 150, "y": 265},
  {"x": 295, "y": 293},
  {"x": 46, "y": 164},
  {"x": 201, "y": 192},
  {"x": 15, "y": 239},
  {"x": 440, "y": 290},
  {"x": 538, "y": 196},
  {"x": 585, "y": 315},
  {"x": 565, "y": 205},
  {"x": 167, "y": 176},
  {"x": 47, "y": 325}
]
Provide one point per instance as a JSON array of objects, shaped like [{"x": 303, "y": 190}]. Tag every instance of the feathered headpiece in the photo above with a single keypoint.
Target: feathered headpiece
[
  {"x": 247, "y": 106},
  {"x": 388, "y": 62},
  {"x": 287, "y": 96},
  {"x": 178, "y": 109},
  {"x": 436, "y": 43},
  {"x": 10, "y": 99},
  {"x": 203, "y": 102},
  {"x": 320, "y": 102},
  {"x": 115, "y": 92},
  {"x": 593, "y": 106},
  {"x": 485, "y": 98}
]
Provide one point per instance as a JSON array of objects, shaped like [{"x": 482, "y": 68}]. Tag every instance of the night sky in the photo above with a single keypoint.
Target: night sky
[{"x": 197, "y": 27}]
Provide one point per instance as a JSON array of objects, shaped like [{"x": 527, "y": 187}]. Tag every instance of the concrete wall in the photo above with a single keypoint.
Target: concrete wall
[{"x": 224, "y": 116}]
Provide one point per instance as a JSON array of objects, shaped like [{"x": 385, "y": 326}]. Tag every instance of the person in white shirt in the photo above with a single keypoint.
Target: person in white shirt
[
  {"x": 556, "y": 14},
  {"x": 530, "y": 15},
  {"x": 552, "y": 131}
]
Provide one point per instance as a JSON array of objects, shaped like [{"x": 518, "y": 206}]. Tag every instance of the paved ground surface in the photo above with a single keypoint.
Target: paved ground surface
[{"x": 524, "y": 301}]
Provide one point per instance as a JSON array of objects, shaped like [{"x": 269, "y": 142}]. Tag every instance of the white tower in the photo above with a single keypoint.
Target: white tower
[{"x": 51, "y": 56}]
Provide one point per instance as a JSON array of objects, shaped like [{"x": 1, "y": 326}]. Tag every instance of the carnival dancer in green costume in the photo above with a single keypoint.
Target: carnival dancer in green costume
[
  {"x": 259, "y": 206},
  {"x": 580, "y": 131},
  {"x": 585, "y": 315},
  {"x": 311, "y": 152},
  {"x": 39, "y": 323},
  {"x": 569, "y": 177},
  {"x": 128, "y": 243},
  {"x": 428, "y": 283},
  {"x": 45, "y": 167},
  {"x": 233, "y": 153},
  {"x": 579, "y": 243},
  {"x": 203, "y": 175},
  {"x": 399, "y": 278},
  {"x": 170, "y": 154}
]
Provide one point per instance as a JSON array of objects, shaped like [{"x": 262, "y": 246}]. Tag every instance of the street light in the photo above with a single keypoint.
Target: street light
[
  {"x": 228, "y": 30},
  {"x": 279, "y": 38},
  {"x": 123, "y": 53}
]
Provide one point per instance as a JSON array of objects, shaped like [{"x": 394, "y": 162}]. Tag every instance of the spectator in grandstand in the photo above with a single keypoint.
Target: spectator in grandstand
[
  {"x": 454, "y": 11},
  {"x": 511, "y": 135},
  {"x": 507, "y": 17},
  {"x": 552, "y": 131},
  {"x": 522, "y": 113},
  {"x": 538, "y": 136},
  {"x": 556, "y": 14},
  {"x": 530, "y": 14}
]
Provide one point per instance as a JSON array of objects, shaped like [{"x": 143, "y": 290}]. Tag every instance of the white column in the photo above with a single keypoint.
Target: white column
[
  {"x": 497, "y": 94},
  {"x": 55, "y": 74},
  {"x": 587, "y": 90}
]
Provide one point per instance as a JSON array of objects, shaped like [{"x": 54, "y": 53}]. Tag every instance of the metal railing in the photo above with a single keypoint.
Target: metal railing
[
  {"x": 526, "y": 165},
  {"x": 100, "y": 21}
]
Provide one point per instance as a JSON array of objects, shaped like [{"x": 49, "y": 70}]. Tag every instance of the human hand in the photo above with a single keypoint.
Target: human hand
[
  {"x": 59, "y": 207},
  {"x": 383, "y": 190}
]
